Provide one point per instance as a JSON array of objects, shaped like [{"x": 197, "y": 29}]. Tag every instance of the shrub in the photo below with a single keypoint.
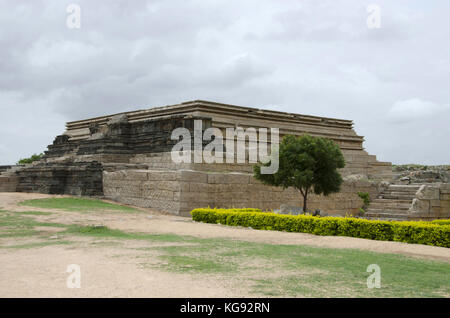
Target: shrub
[
  {"x": 33, "y": 158},
  {"x": 410, "y": 232},
  {"x": 441, "y": 222},
  {"x": 365, "y": 196},
  {"x": 229, "y": 210}
]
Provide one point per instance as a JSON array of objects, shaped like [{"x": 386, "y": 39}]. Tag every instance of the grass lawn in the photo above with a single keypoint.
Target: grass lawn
[
  {"x": 76, "y": 204},
  {"x": 293, "y": 270},
  {"x": 267, "y": 269},
  {"x": 16, "y": 224}
]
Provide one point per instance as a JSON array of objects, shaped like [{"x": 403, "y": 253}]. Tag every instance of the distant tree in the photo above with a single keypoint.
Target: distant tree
[
  {"x": 309, "y": 164},
  {"x": 34, "y": 157}
]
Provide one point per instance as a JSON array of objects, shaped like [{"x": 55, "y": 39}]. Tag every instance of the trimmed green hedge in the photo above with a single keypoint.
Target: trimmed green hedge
[
  {"x": 404, "y": 231},
  {"x": 229, "y": 210},
  {"x": 441, "y": 222}
]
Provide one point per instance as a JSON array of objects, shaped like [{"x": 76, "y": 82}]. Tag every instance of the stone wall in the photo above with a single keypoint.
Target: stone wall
[
  {"x": 4, "y": 168},
  {"x": 8, "y": 178},
  {"x": 357, "y": 162},
  {"x": 76, "y": 178},
  {"x": 241, "y": 190},
  {"x": 158, "y": 189},
  {"x": 8, "y": 183},
  {"x": 181, "y": 191},
  {"x": 432, "y": 201}
]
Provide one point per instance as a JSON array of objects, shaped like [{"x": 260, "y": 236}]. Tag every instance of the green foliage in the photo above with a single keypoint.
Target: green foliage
[
  {"x": 365, "y": 196},
  {"x": 15, "y": 224},
  {"x": 302, "y": 271},
  {"x": 265, "y": 269},
  {"x": 409, "y": 232},
  {"x": 34, "y": 157},
  {"x": 92, "y": 230},
  {"x": 362, "y": 211},
  {"x": 106, "y": 232},
  {"x": 441, "y": 222},
  {"x": 308, "y": 164},
  {"x": 229, "y": 210},
  {"x": 184, "y": 263}
]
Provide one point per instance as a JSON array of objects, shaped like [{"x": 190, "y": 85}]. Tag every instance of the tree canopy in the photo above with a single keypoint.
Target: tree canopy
[{"x": 308, "y": 164}]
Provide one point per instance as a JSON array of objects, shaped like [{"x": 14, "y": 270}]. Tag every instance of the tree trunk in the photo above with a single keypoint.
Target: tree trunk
[{"x": 305, "y": 198}]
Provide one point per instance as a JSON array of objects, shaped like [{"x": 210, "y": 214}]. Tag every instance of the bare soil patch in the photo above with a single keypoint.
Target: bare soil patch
[
  {"x": 132, "y": 268},
  {"x": 151, "y": 221}
]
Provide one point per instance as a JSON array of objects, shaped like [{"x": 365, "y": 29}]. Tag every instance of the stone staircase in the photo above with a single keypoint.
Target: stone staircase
[{"x": 393, "y": 203}]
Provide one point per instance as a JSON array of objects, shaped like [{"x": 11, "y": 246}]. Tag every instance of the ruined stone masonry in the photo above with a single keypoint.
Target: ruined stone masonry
[
  {"x": 126, "y": 158},
  {"x": 415, "y": 193}
]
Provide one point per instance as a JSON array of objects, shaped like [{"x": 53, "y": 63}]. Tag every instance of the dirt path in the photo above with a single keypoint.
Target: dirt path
[
  {"x": 28, "y": 273},
  {"x": 120, "y": 268},
  {"x": 154, "y": 222}
]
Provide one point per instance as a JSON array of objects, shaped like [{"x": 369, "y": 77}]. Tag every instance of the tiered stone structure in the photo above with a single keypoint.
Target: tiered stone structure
[{"x": 126, "y": 157}]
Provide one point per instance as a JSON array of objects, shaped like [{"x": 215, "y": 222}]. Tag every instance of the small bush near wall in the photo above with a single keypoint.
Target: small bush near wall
[
  {"x": 31, "y": 159},
  {"x": 229, "y": 210},
  {"x": 441, "y": 222},
  {"x": 408, "y": 232},
  {"x": 365, "y": 197}
]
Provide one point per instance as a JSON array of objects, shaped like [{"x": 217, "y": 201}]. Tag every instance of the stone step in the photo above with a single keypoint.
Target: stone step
[
  {"x": 393, "y": 203},
  {"x": 390, "y": 204},
  {"x": 400, "y": 192},
  {"x": 391, "y": 200},
  {"x": 386, "y": 217},
  {"x": 388, "y": 210},
  {"x": 385, "y": 214},
  {"x": 414, "y": 185},
  {"x": 397, "y": 197},
  {"x": 398, "y": 187}
]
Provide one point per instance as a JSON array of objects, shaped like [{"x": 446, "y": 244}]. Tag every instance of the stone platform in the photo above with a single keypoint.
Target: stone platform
[{"x": 126, "y": 157}]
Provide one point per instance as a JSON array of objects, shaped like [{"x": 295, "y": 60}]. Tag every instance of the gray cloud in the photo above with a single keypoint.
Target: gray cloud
[
  {"x": 298, "y": 56},
  {"x": 415, "y": 109}
]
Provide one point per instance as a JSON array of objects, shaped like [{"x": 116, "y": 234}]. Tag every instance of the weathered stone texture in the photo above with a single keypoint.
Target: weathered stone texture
[
  {"x": 432, "y": 201},
  {"x": 81, "y": 178},
  {"x": 146, "y": 188},
  {"x": 409, "y": 174},
  {"x": 126, "y": 157},
  {"x": 194, "y": 189},
  {"x": 8, "y": 183}
]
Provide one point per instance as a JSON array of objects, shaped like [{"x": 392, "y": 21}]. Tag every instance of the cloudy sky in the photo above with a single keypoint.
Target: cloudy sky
[{"x": 309, "y": 57}]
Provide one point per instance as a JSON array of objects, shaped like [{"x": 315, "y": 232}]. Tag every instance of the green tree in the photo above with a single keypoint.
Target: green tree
[{"x": 308, "y": 164}]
